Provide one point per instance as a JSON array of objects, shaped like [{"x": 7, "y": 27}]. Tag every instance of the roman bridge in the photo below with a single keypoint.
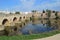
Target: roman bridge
[
  {"x": 9, "y": 18},
  {"x": 21, "y": 17}
]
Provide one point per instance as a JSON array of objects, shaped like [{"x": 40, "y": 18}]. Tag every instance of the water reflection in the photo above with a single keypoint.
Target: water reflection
[
  {"x": 40, "y": 26},
  {"x": 36, "y": 26},
  {"x": 48, "y": 23}
]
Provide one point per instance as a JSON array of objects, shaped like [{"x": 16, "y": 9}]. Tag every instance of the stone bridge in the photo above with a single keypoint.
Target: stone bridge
[
  {"x": 13, "y": 18},
  {"x": 8, "y": 19},
  {"x": 21, "y": 17}
]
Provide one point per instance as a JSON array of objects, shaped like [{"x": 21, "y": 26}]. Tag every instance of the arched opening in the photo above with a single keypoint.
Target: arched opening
[
  {"x": 14, "y": 19},
  {"x": 15, "y": 29},
  {"x": 24, "y": 24},
  {"x": 20, "y": 18},
  {"x": 24, "y": 17},
  {"x": 21, "y": 25},
  {"x": 4, "y": 21}
]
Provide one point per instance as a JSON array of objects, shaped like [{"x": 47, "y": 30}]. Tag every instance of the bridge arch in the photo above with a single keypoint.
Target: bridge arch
[
  {"x": 24, "y": 17},
  {"x": 4, "y": 21},
  {"x": 20, "y": 18},
  {"x": 15, "y": 18}
]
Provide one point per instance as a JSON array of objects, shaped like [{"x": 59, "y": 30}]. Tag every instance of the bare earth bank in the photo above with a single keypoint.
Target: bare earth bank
[{"x": 55, "y": 37}]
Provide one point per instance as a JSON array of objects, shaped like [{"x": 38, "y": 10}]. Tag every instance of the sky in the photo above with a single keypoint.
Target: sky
[{"x": 29, "y": 5}]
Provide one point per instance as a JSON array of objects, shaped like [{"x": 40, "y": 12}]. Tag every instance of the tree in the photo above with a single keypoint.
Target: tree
[
  {"x": 56, "y": 14},
  {"x": 46, "y": 10},
  {"x": 34, "y": 11},
  {"x": 43, "y": 11},
  {"x": 41, "y": 15},
  {"x": 53, "y": 11},
  {"x": 48, "y": 13},
  {"x": 10, "y": 13},
  {"x": 17, "y": 12}
]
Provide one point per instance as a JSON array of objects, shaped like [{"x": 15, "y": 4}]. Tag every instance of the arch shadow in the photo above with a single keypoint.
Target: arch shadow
[
  {"x": 14, "y": 19},
  {"x": 4, "y": 21}
]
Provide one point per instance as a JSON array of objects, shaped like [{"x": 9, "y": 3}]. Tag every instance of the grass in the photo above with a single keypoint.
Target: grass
[{"x": 29, "y": 37}]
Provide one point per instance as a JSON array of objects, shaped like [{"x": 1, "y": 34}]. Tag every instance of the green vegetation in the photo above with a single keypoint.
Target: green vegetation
[
  {"x": 48, "y": 23},
  {"x": 32, "y": 18},
  {"x": 10, "y": 13},
  {"x": 56, "y": 14},
  {"x": 17, "y": 12},
  {"x": 29, "y": 37},
  {"x": 26, "y": 20},
  {"x": 43, "y": 11},
  {"x": 8, "y": 30},
  {"x": 48, "y": 13},
  {"x": 34, "y": 11},
  {"x": 53, "y": 11}
]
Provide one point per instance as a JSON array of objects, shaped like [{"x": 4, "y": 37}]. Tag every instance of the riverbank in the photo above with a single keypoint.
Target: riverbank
[
  {"x": 55, "y": 37},
  {"x": 29, "y": 37}
]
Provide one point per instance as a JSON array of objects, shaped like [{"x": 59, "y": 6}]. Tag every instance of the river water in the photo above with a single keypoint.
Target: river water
[{"x": 40, "y": 26}]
